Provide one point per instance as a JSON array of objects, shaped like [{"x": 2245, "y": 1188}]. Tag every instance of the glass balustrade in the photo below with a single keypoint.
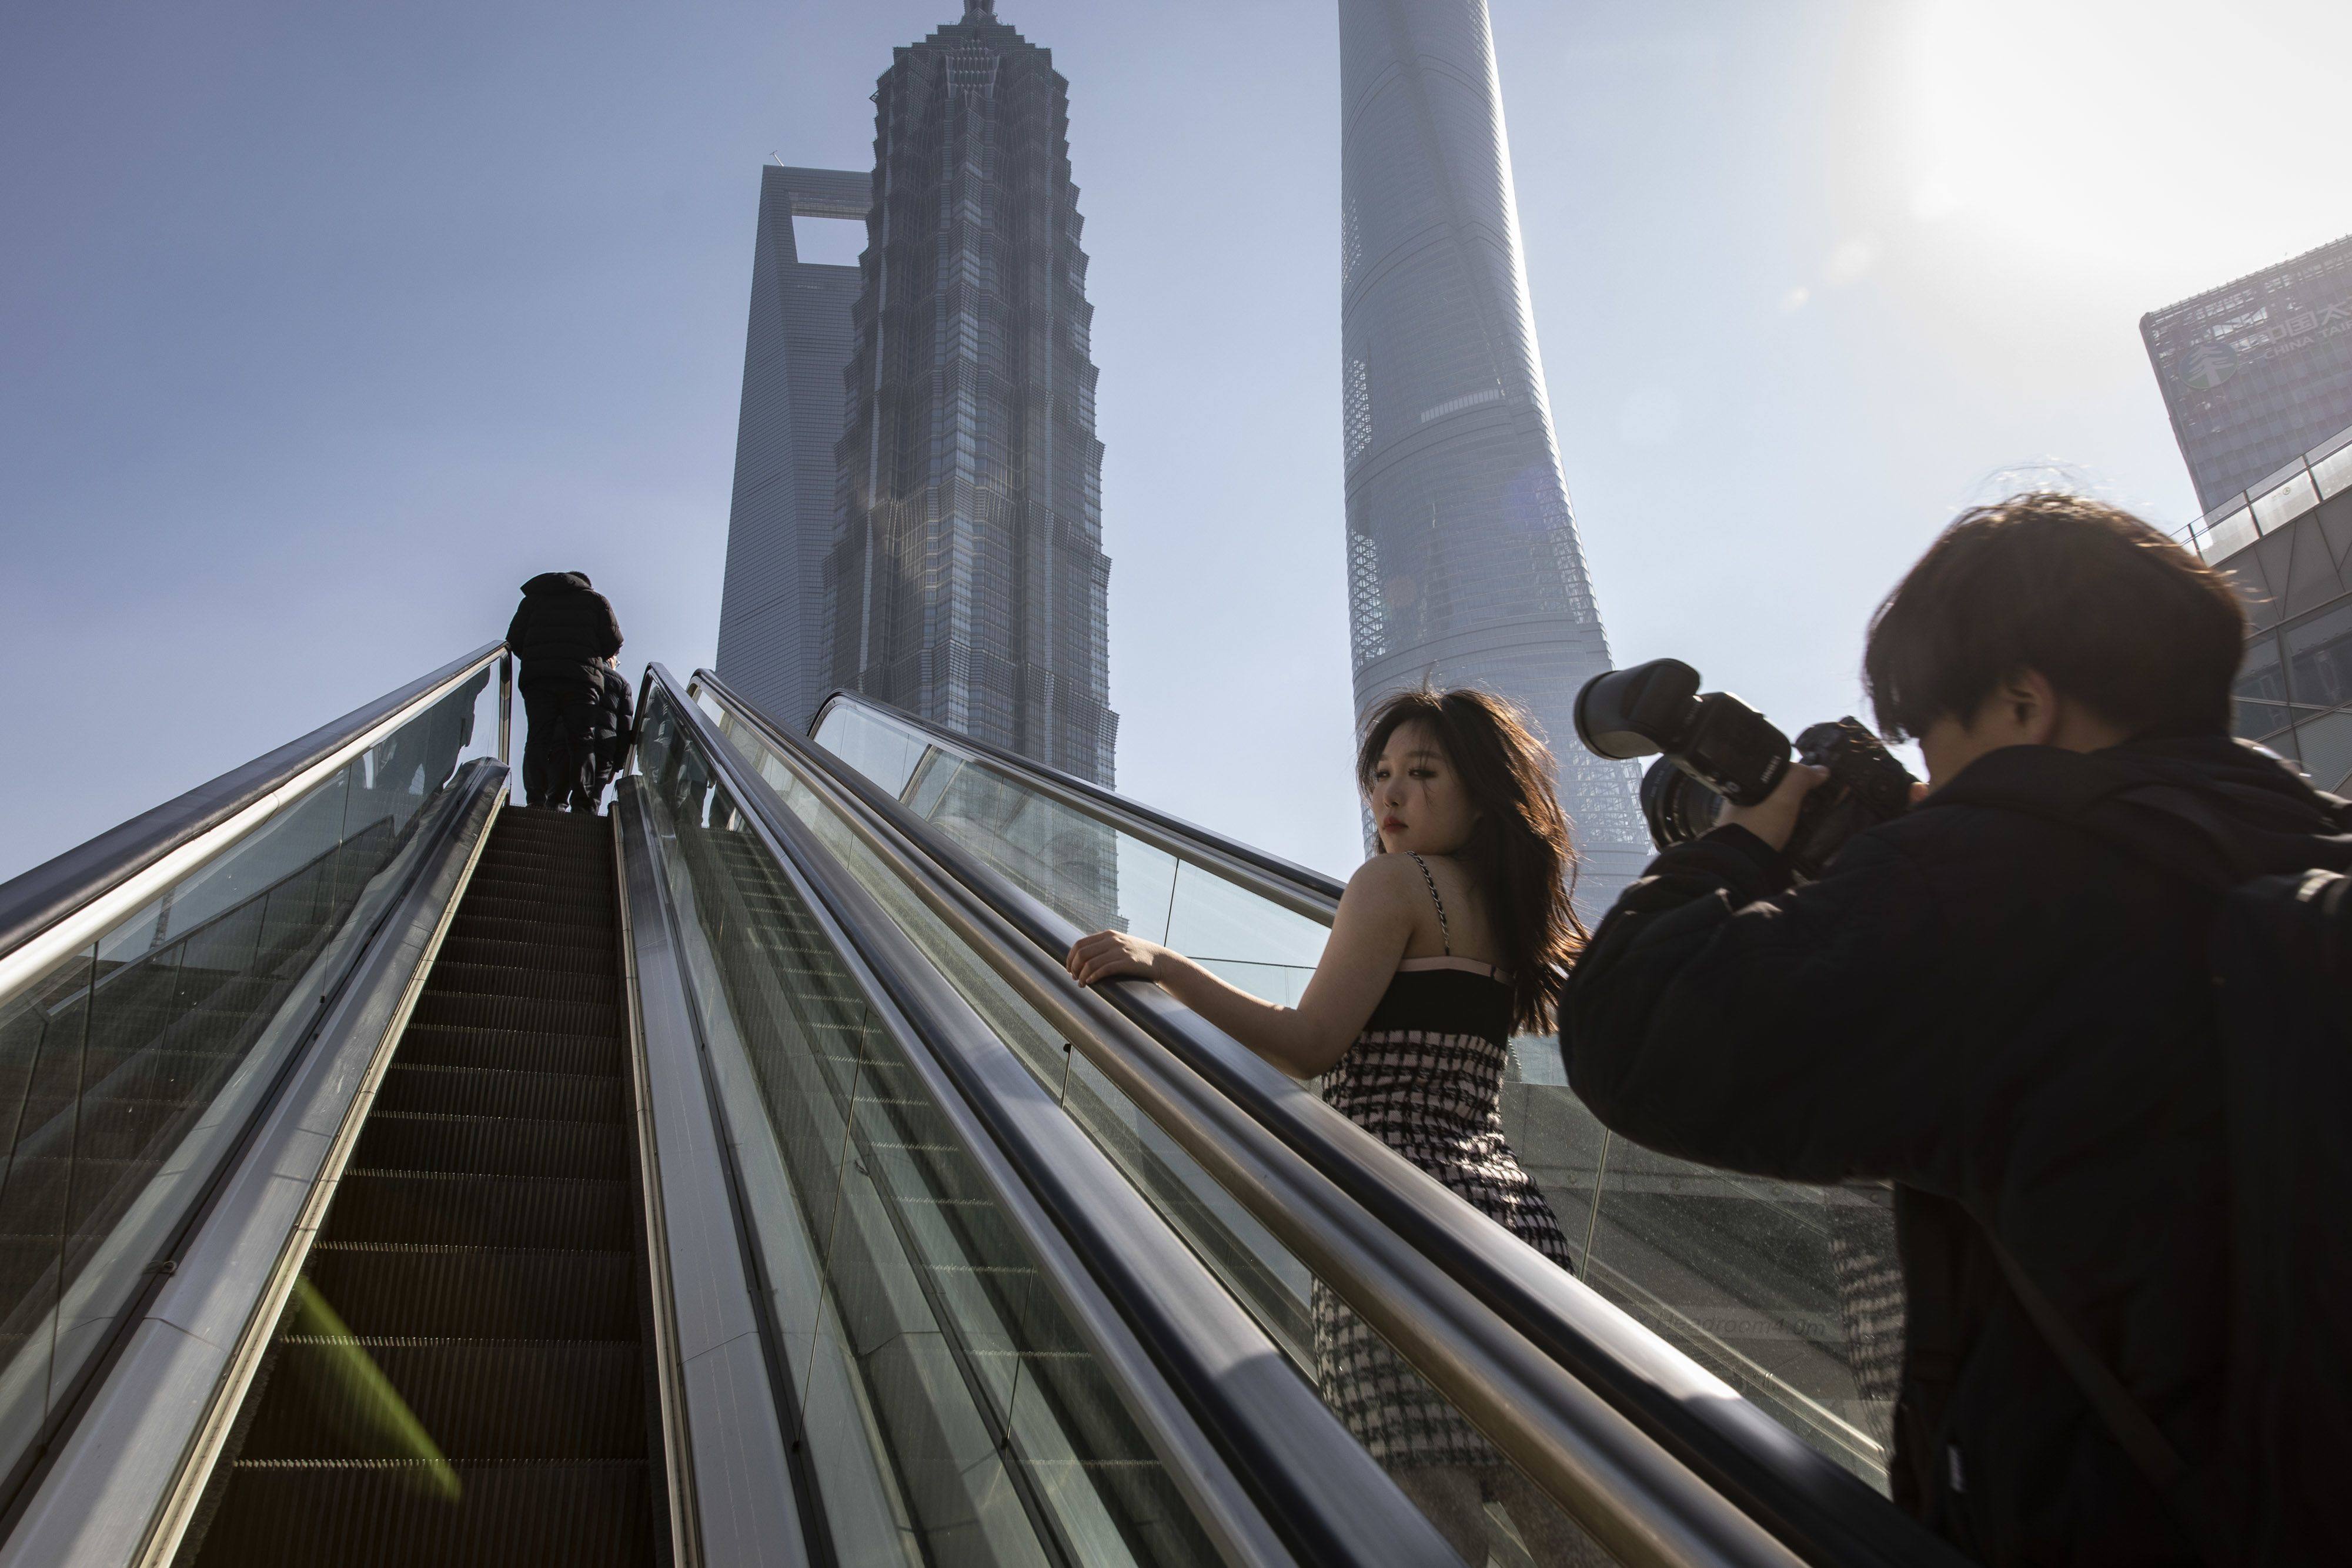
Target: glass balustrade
[
  {"x": 915, "y": 1317},
  {"x": 1790, "y": 1294},
  {"x": 1086, "y": 867},
  {"x": 129, "y": 1067},
  {"x": 1275, "y": 946}
]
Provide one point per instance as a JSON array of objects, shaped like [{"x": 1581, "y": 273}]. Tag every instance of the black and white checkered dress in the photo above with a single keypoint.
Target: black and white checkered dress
[{"x": 1426, "y": 1077}]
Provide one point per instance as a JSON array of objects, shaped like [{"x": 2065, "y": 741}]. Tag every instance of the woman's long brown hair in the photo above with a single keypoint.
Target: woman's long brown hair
[{"x": 1518, "y": 855}]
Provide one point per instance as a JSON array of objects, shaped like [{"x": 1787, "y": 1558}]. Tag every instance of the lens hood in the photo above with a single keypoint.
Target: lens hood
[{"x": 1639, "y": 711}]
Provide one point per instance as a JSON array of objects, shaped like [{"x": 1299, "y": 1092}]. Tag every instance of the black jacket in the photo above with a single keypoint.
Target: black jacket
[
  {"x": 614, "y": 706},
  {"x": 615, "y": 713},
  {"x": 561, "y": 632},
  {"x": 2008, "y": 1015}
]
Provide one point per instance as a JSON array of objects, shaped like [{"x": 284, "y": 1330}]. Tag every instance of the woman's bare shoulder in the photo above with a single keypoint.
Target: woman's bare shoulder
[{"x": 1383, "y": 879}]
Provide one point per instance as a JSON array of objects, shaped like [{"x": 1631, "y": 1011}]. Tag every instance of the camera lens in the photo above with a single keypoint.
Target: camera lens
[{"x": 1678, "y": 807}]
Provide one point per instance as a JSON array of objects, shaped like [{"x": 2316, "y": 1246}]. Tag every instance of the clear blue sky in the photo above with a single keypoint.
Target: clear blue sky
[{"x": 323, "y": 327}]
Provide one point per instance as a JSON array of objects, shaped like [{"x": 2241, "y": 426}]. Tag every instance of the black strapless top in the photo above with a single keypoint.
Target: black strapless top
[{"x": 1445, "y": 1002}]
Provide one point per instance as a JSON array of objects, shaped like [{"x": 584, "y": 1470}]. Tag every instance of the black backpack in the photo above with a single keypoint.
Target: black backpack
[{"x": 2281, "y": 951}]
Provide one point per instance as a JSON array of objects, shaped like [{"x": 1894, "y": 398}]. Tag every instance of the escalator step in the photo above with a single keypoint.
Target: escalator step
[
  {"x": 480, "y": 1254},
  {"x": 451, "y": 978},
  {"x": 599, "y": 938},
  {"x": 512, "y": 879},
  {"x": 489, "y": 1091},
  {"x": 564, "y": 1399},
  {"x": 459, "y": 1209},
  {"x": 518, "y": 904},
  {"x": 512, "y": 1050},
  {"x": 586, "y": 1514},
  {"x": 492, "y": 1145},
  {"x": 536, "y": 952},
  {"x": 569, "y": 865},
  {"x": 483, "y": 1292},
  {"x": 532, "y": 1015}
]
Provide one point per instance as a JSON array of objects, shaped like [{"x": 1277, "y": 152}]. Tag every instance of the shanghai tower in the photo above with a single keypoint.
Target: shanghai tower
[
  {"x": 1464, "y": 563},
  {"x": 967, "y": 582}
]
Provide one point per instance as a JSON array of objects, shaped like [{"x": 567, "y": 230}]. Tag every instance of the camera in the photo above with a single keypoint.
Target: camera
[{"x": 1717, "y": 749}]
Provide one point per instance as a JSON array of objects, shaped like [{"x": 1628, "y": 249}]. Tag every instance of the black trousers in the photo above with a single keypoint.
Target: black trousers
[{"x": 558, "y": 750}]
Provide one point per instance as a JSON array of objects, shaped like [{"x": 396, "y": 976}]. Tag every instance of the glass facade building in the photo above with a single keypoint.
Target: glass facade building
[
  {"x": 2288, "y": 546},
  {"x": 2257, "y": 372},
  {"x": 1464, "y": 562},
  {"x": 967, "y": 582},
  {"x": 779, "y": 526}
]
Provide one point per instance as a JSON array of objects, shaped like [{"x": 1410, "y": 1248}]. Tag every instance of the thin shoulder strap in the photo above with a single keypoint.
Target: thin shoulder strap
[
  {"x": 2126, "y": 1423},
  {"x": 1444, "y": 933}
]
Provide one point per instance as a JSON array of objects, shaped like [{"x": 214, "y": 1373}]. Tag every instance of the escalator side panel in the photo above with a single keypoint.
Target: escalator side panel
[
  {"x": 744, "y": 1494},
  {"x": 112, "y": 1491}
]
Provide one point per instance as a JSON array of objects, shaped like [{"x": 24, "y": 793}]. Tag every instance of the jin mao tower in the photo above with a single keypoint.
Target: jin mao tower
[{"x": 967, "y": 582}]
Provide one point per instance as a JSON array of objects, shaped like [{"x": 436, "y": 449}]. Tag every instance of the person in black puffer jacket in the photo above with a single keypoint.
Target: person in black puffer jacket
[
  {"x": 561, "y": 634},
  {"x": 2008, "y": 1014},
  {"x": 616, "y": 734}
]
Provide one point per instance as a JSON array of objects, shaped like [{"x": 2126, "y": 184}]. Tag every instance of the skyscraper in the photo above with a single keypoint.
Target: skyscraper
[
  {"x": 1464, "y": 562},
  {"x": 772, "y": 608},
  {"x": 967, "y": 582},
  {"x": 2258, "y": 371}
]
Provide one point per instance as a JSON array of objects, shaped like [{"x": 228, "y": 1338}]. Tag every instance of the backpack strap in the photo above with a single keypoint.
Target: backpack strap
[{"x": 2132, "y": 1430}]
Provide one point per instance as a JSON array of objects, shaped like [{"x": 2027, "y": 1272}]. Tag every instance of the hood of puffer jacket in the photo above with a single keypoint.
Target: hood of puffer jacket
[
  {"x": 2221, "y": 808},
  {"x": 558, "y": 583}
]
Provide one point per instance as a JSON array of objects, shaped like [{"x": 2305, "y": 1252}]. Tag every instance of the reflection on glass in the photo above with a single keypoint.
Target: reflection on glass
[
  {"x": 127, "y": 1069},
  {"x": 1788, "y": 1292},
  {"x": 1491, "y": 1502},
  {"x": 2261, "y": 690},
  {"x": 883, "y": 751},
  {"x": 2324, "y": 742},
  {"x": 2319, "y": 658},
  {"x": 1259, "y": 1271},
  {"x": 1088, "y": 871},
  {"x": 1739, "y": 1274},
  {"x": 993, "y": 1435}
]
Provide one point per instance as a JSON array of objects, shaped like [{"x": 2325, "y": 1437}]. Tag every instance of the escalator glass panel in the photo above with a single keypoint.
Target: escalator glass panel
[
  {"x": 1088, "y": 869},
  {"x": 1789, "y": 1292},
  {"x": 129, "y": 1067},
  {"x": 1483, "y": 1495},
  {"x": 954, "y": 1412}
]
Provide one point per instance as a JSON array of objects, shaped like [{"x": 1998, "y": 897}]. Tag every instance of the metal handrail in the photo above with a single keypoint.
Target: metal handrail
[
  {"x": 1641, "y": 1502},
  {"x": 50, "y": 910},
  {"x": 1821, "y": 1511},
  {"x": 1298, "y": 1469},
  {"x": 1160, "y": 829}
]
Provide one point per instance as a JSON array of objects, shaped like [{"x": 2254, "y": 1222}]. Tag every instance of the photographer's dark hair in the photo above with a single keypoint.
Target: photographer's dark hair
[
  {"x": 1518, "y": 854},
  {"x": 2115, "y": 616}
]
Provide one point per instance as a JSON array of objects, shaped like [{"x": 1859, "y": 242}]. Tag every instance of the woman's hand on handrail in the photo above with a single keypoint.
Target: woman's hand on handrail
[{"x": 1376, "y": 920}]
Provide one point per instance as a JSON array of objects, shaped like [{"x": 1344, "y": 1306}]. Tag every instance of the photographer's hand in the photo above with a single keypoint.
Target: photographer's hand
[{"x": 1775, "y": 818}]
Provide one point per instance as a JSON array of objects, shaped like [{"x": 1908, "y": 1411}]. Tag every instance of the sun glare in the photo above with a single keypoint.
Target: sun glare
[{"x": 2107, "y": 127}]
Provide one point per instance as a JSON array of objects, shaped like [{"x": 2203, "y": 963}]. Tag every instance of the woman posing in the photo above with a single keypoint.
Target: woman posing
[{"x": 1453, "y": 937}]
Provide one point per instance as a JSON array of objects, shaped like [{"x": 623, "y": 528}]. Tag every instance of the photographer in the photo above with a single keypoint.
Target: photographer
[{"x": 2001, "y": 1002}]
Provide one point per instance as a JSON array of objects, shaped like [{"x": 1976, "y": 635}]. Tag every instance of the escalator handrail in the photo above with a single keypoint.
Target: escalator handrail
[
  {"x": 42, "y": 904},
  {"x": 1821, "y": 1511},
  {"x": 1148, "y": 823},
  {"x": 1644, "y": 1505},
  {"x": 1293, "y": 1465}
]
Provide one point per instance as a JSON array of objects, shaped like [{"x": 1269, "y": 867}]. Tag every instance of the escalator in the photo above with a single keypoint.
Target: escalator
[
  {"x": 481, "y": 1267},
  {"x": 390, "y": 1173}
]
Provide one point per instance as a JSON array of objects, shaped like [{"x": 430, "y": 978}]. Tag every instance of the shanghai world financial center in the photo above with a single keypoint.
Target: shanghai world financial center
[{"x": 917, "y": 513}]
